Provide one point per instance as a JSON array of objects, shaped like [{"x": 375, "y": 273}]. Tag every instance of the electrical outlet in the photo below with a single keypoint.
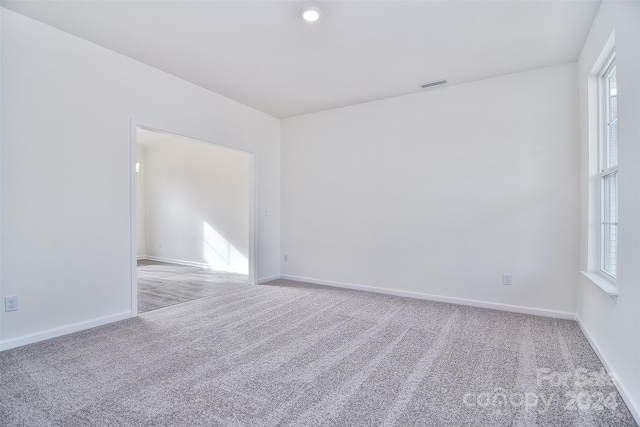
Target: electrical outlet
[
  {"x": 506, "y": 279},
  {"x": 11, "y": 303},
  {"x": 286, "y": 258}
]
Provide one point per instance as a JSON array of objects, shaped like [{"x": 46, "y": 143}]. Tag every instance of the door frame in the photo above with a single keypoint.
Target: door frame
[{"x": 253, "y": 235}]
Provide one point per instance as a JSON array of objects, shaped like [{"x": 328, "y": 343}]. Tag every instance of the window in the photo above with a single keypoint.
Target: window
[
  {"x": 609, "y": 169},
  {"x": 602, "y": 173}
]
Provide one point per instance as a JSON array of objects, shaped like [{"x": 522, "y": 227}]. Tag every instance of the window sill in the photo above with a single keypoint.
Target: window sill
[{"x": 603, "y": 283}]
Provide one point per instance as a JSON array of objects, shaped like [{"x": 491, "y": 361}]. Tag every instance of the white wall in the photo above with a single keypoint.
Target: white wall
[
  {"x": 1, "y": 173},
  {"x": 66, "y": 150},
  {"x": 141, "y": 227},
  {"x": 197, "y": 204},
  {"x": 614, "y": 329},
  {"x": 441, "y": 192}
]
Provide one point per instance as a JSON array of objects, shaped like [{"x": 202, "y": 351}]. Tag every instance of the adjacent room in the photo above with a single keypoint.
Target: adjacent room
[
  {"x": 292, "y": 213},
  {"x": 192, "y": 219}
]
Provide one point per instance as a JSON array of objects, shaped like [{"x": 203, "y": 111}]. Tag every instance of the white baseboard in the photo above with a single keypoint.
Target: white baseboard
[
  {"x": 62, "y": 330},
  {"x": 438, "y": 298},
  {"x": 191, "y": 264},
  {"x": 635, "y": 411},
  {"x": 268, "y": 279}
]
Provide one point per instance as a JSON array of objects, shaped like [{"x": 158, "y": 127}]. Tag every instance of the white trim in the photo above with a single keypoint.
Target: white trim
[
  {"x": 594, "y": 136},
  {"x": 62, "y": 330},
  {"x": 190, "y": 263},
  {"x": 603, "y": 283},
  {"x": 635, "y": 411},
  {"x": 253, "y": 219},
  {"x": 451, "y": 300},
  {"x": 604, "y": 97},
  {"x": 268, "y": 279},
  {"x": 133, "y": 218}
]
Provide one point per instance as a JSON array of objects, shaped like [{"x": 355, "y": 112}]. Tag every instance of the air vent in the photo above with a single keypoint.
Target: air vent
[{"x": 436, "y": 83}]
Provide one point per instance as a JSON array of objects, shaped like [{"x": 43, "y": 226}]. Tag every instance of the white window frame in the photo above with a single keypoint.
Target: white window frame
[
  {"x": 597, "y": 131},
  {"x": 606, "y": 170}
]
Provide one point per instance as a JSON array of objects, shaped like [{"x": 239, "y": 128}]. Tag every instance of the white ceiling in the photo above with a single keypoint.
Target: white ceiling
[{"x": 262, "y": 54}]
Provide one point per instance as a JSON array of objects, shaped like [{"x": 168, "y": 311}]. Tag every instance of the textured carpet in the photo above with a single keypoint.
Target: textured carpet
[
  {"x": 291, "y": 354},
  {"x": 162, "y": 284}
]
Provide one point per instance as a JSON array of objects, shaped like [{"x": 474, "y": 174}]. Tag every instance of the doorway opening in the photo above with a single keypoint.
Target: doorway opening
[{"x": 192, "y": 219}]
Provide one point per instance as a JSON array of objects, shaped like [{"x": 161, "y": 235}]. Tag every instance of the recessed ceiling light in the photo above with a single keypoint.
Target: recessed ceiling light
[{"x": 310, "y": 13}]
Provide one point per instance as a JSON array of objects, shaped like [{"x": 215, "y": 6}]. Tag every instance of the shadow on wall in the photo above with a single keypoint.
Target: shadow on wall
[{"x": 221, "y": 255}]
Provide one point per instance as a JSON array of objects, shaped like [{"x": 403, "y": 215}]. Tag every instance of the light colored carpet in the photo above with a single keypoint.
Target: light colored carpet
[{"x": 288, "y": 354}]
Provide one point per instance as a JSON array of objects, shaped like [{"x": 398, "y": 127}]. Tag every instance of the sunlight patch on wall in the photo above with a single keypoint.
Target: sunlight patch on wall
[{"x": 219, "y": 254}]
